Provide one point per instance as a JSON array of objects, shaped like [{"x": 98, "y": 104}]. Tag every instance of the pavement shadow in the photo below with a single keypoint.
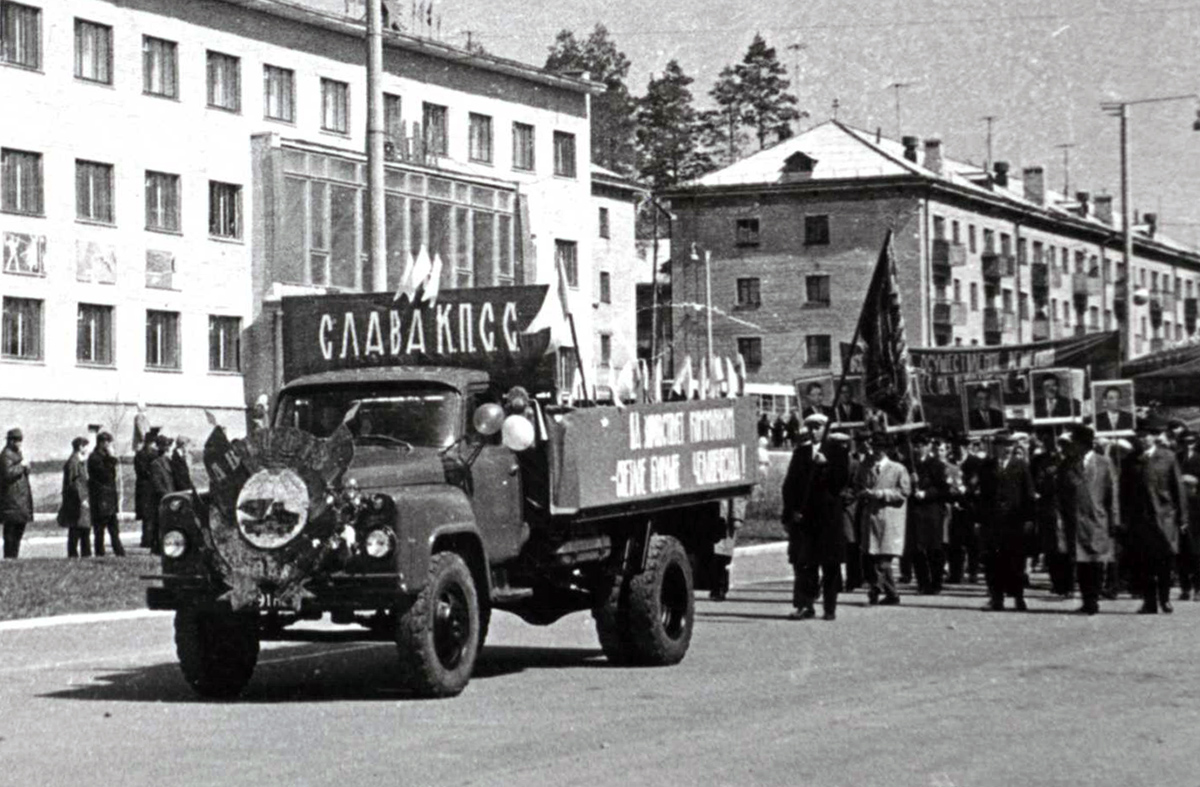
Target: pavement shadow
[{"x": 310, "y": 673}]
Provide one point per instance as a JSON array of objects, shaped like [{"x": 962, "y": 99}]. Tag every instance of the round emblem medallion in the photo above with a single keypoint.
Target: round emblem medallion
[{"x": 272, "y": 507}]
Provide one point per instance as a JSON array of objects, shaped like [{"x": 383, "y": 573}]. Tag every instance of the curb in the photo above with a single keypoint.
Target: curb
[{"x": 25, "y": 624}]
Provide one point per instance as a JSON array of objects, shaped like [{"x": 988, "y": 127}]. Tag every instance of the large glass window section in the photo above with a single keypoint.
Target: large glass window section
[
  {"x": 393, "y": 118},
  {"x": 20, "y": 35},
  {"x": 21, "y": 336},
  {"x": 462, "y": 244},
  {"x": 94, "y": 335},
  {"x": 395, "y": 212},
  {"x": 441, "y": 238},
  {"x": 484, "y": 235},
  {"x": 504, "y": 257},
  {"x": 160, "y": 67},
  {"x": 279, "y": 94},
  {"x": 416, "y": 225},
  {"x": 162, "y": 340},
  {"x": 93, "y": 52},
  {"x": 343, "y": 222}
]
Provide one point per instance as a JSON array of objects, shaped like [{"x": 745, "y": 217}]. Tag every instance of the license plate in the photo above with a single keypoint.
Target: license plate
[{"x": 268, "y": 600}]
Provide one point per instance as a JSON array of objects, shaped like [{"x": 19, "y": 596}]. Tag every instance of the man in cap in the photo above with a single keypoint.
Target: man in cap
[
  {"x": 102, "y": 492},
  {"x": 883, "y": 503},
  {"x": 1189, "y": 546},
  {"x": 74, "y": 513},
  {"x": 1157, "y": 515},
  {"x": 16, "y": 497},
  {"x": 162, "y": 483},
  {"x": 812, "y": 514},
  {"x": 1006, "y": 490},
  {"x": 927, "y": 516},
  {"x": 1087, "y": 497}
]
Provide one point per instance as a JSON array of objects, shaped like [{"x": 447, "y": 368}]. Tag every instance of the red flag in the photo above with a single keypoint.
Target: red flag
[{"x": 883, "y": 345}]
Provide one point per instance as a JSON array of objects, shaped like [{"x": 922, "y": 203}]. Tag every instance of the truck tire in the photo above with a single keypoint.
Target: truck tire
[
  {"x": 217, "y": 650},
  {"x": 647, "y": 618},
  {"x": 437, "y": 636}
]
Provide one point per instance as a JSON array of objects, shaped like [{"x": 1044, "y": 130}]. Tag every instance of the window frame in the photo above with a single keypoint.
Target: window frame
[
  {"x": 89, "y": 168},
  {"x": 605, "y": 223},
  {"x": 282, "y": 81},
  {"x": 605, "y": 294},
  {"x": 818, "y": 279},
  {"x": 156, "y": 55},
  {"x": 436, "y": 135},
  {"x": 6, "y": 326},
  {"x": 566, "y": 155},
  {"x": 107, "y": 338},
  {"x": 523, "y": 145},
  {"x": 335, "y": 96},
  {"x": 748, "y": 292},
  {"x": 213, "y": 58},
  {"x": 747, "y": 231},
  {"x": 750, "y": 348},
  {"x": 20, "y": 182},
  {"x": 216, "y": 220},
  {"x": 480, "y": 138},
  {"x": 814, "y": 339},
  {"x": 393, "y": 116},
  {"x": 569, "y": 262},
  {"x": 11, "y": 42},
  {"x": 82, "y": 26},
  {"x": 162, "y": 207},
  {"x": 217, "y": 323},
  {"x": 173, "y": 320},
  {"x": 605, "y": 350}
]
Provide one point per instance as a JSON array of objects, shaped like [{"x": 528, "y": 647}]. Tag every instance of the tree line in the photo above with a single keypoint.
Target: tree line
[{"x": 661, "y": 137}]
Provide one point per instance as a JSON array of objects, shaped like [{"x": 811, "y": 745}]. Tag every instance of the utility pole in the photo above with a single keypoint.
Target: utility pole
[
  {"x": 376, "y": 240},
  {"x": 1066, "y": 149},
  {"x": 835, "y": 107},
  {"x": 990, "y": 119},
  {"x": 897, "y": 86}
]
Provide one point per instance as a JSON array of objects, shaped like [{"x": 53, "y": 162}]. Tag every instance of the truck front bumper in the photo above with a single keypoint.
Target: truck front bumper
[{"x": 337, "y": 592}]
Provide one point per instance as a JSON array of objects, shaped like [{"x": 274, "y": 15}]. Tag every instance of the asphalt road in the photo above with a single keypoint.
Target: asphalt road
[{"x": 933, "y": 692}]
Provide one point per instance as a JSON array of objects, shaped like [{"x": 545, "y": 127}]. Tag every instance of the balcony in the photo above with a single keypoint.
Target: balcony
[
  {"x": 997, "y": 265},
  {"x": 949, "y": 313},
  {"x": 1189, "y": 314},
  {"x": 414, "y": 149},
  {"x": 947, "y": 255},
  {"x": 1085, "y": 285},
  {"x": 993, "y": 320}
]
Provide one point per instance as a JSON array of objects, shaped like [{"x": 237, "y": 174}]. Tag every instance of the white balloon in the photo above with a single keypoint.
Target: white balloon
[{"x": 517, "y": 434}]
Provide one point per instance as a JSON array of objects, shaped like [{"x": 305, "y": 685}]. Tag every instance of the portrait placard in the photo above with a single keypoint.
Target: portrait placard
[
  {"x": 983, "y": 407},
  {"x": 1115, "y": 409},
  {"x": 1057, "y": 395}
]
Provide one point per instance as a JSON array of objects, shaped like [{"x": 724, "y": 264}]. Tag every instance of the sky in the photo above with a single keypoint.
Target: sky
[{"x": 1040, "y": 67}]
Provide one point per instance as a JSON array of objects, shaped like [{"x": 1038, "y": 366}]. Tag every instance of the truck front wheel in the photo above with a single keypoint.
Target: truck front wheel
[
  {"x": 647, "y": 618},
  {"x": 217, "y": 650},
  {"x": 438, "y": 635}
]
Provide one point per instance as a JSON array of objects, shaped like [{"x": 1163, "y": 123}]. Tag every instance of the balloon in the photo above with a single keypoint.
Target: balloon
[
  {"x": 488, "y": 419},
  {"x": 1140, "y": 296},
  {"x": 518, "y": 433}
]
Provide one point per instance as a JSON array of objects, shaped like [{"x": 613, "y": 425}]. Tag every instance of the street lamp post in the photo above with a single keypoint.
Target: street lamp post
[{"x": 1121, "y": 109}]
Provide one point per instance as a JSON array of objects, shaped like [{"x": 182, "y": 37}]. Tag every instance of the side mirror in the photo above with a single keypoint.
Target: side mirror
[
  {"x": 488, "y": 419},
  {"x": 518, "y": 433}
]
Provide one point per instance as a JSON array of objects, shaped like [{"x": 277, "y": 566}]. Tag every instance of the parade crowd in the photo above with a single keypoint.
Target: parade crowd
[{"x": 1102, "y": 516}]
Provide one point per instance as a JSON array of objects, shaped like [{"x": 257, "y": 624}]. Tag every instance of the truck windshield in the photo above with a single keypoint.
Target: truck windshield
[{"x": 417, "y": 414}]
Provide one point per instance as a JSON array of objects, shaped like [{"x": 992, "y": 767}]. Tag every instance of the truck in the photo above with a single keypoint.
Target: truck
[{"x": 421, "y": 472}]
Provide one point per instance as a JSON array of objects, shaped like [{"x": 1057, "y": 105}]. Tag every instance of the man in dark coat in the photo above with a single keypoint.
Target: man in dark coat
[
  {"x": 1006, "y": 492},
  {"x": 102, "y": 492},
  {"x": 964, "y": 542},
  {"x": 74, "y": 513},
  {"x": 813, "y": 518},
  {"x": 1088, "y": 501},
  {"x": 16, "y": 497},
  {"x": 141, "y": 490},
  {"x": 764, "y": 426},
  {"x": 927, "y": 517},
  {"x": 181, "y": 473},
  {"x": 1053, "y": 540},
  {"x": 1189, "y": 547},
  {"x": 162, "y": 483},
  {"x": 1157, "y": 516}
]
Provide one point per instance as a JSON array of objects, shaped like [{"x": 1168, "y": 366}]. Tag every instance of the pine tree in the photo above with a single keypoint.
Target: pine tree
[
  {"x": 767, "y": 104},
  {"x": 722, "y": 125},
  {"x": 613, "y": 110},
  {"x": 668, "y": 131}
]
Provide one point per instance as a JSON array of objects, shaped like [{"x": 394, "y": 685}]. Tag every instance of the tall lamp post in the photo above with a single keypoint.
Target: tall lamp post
[
  {"x": 1121, "y": 109},
  {"x": 707, "y": 297}
]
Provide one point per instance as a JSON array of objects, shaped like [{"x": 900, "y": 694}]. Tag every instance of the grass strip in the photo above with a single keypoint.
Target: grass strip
[{"x": 38, "y": 587}]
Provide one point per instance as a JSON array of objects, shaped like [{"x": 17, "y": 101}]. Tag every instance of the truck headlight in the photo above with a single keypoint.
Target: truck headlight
[
  {"x": 378, "y": 543},
  {"x": 174, "y": 544}
]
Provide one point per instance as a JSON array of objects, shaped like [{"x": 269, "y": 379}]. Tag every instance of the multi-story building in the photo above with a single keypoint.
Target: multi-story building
[
  {"x": 615, "y": 268},
  {"x": 170, "y": 169},
  {"x": 984, "y": 257}
]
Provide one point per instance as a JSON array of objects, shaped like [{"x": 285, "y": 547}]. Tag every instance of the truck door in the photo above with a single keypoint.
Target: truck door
[{"x": 496, "y": 494}]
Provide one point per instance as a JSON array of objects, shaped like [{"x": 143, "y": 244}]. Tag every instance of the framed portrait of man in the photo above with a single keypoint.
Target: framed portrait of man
[
  {"x": 983, "y": 407},
  {"x": 1115, "y": 410},
  {"x": 815, "y": 395},
  {"x": 849, "y": 403},
  {"x": 1057, "y": 395}
]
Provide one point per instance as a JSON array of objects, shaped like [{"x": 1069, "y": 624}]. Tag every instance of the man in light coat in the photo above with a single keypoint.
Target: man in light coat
[
  {"x": 16, "y": 497},
  {"x": 1087, "y": 498},
  {"x": 883, "y": 511}
]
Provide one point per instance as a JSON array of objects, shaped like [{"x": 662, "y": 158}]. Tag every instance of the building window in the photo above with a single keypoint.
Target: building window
[
  {"x": 1005, "y": 244},
  {"x": 162, "y": 340},
  {"x": 605, "y": 287},
  {"x": 816, "y": 290},
  {"x": 1022, "y": 251},
  {"x": 971, "y": 238},
  {"x": 22, "y": 334},
  {"x": 93, "y": 52},
  {"x": 1066, "y": 260},
  {"x": 566, "y": 255},
  {"x": 564, "y": 154},
  {"x": 224, "y": 210},
  {"x": 974, "y": 297},
  {"x": 160, "y": 270},
  {"x": 604, "y": 228},
  {"x": 749, "y": 292},
  {"x": 160, "y": 67},
  {"x": 1023, "y": 305},
  {"x": 94, "y": 335},
  {"x": 955, "y": 232},
  {"x": 224, "y": 344},
  {"x": 162, "y": 201},
  {"x": 523, "y": 146},
  {"x": 746, "y": 232},
  {"x": 957, "y": 291},
  {"x": 751, "y": 351},
  {"x": 1006, "y": 299},
  {"x": 279, "y": 94},
  {"x": 335, "y": 106},
  {"x": 20, "y": 182},
  {"x": 989, "y": 241},
  {"x": 433, "y": 117},
  {"x": 20, "y": 35},
  {"x": 393, "y": 119},
  {"x": 93, "y": 191},
  {"x": 224, "y": 82},
  {"x": 939, "y": 228},
  {"x": 816, "y": 230},
  {"x": 818, "y": 350},
  {"x": 480, "y": 142},
  {"x": 606, "y": 350}
]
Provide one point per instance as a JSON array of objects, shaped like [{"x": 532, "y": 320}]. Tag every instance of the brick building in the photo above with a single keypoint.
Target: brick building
[{"x": 984, "y": 257}]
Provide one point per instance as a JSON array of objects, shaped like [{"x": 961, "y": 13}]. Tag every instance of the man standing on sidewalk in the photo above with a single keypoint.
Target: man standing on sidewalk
[
  {"x": 16, "y": 497},
  {"x": 102, "y": 492},
  {"x": 1157, "y": 516},
  {"x": 74, "y": 513}
]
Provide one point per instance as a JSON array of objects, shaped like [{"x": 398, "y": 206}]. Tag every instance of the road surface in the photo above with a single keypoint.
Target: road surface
[{"x": 933, "y": 692}]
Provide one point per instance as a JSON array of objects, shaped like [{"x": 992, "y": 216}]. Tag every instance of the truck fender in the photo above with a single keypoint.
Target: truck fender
[{"x": 436, "y": 518}]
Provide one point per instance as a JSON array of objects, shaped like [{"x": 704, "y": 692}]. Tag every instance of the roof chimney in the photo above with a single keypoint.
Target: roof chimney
[
  {"x": 1001, "y": 170},
  {"x": 1035, "y": 184},
  {"x": 1104, "y": 203},
  {"x": 1151, "y": 220},
  {"x": 910, "y": 148},
  {"x": 933, "y": 155},
  {"x": 1083, "y": 197}
]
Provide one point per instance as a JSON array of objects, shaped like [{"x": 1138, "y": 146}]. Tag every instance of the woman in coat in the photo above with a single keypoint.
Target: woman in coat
[
  {"x": 75, "y": 511},
  {"x": 883, "y": 511}
]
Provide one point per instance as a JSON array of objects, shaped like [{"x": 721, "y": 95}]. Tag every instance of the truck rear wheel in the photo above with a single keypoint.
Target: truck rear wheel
[
  {"x": 438, "y": 635},
  {"x": 217, "y": 650},
  {"x": 647, "y": 618}
]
